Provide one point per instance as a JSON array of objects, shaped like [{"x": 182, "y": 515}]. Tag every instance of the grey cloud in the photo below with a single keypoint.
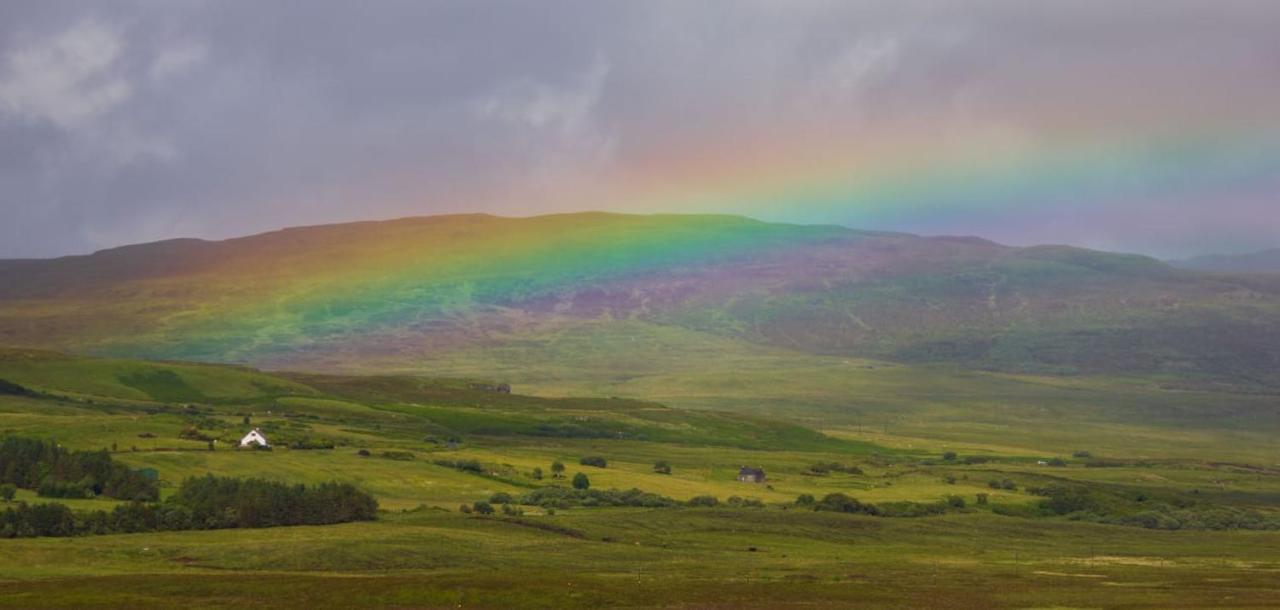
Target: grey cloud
[{"x": 136, "y": 120}]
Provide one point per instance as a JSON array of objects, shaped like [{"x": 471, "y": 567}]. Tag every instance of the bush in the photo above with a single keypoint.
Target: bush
[
  {"x": 1082, "y": 455},
  {"x": 1057, "y": 462},
  {"x": 703, "y": 501},
  {"x": 402, "y": 456},
  {"x": 363, "y": 453},
  {"x": 949, "y": 456},
  {"x": 955, "y": 501},
  {"x": 500, "y": 498},
  {"x": 580, "y": 481},
  {"x": 982, "y": 499},
  {"x": 8, "y": 491},
  {"x": 840, "y": 503},
  {"x": 536, "y": 474},
  {"x": 805, "y": 500},
  {"x": 662, "y": 467},
  {"x": 1002, "y": 484},
  {"x": 483, "y": 508},
  {"x": 594, "y": 460}
]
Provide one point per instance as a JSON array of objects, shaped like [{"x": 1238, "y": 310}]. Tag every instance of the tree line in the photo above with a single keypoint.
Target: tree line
[{"x": 201, "y": 503}]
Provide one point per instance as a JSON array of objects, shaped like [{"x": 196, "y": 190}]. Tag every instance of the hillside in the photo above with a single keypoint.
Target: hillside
[
  {"x": 427, "y": 293},
  {"x": 997, "y": 490},
  {"x": 1263, "y": 261}
]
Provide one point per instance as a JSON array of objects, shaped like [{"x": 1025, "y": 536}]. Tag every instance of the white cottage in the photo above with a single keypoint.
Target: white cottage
[{"x": 254, "y": 437}]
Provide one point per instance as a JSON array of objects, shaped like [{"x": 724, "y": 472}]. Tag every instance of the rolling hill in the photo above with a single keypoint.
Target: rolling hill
[{"x": 639, "y": 295}]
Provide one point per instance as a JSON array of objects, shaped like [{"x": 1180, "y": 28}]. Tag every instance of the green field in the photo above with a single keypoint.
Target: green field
[{"x": 1148, "y": 447}]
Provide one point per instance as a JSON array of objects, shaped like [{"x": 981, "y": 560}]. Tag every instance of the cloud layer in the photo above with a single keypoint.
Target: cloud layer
[{"x": 131, "y": 121}]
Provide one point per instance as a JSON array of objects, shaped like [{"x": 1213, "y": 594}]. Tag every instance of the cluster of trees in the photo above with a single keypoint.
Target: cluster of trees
[
  {"x": 1137, "y": 509},
  {"x": 55, "y": 472},
  {"x": 841, "y": 503},
  {"x": 207, "y": 502},
  {"x": 226, "y": 502}
]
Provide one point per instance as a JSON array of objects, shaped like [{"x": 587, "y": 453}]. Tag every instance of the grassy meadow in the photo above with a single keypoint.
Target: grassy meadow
[{"x": 889, "y": 428}]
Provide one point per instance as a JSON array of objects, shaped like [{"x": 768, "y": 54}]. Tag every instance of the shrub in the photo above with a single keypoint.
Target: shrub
[
  {"x": 594, "y": 460},
  {"x": 8, "y": 491},
  {"x": 840, "y": 503},
  {"x": 662, "y": 467},
  {"x": 1082, "y": 455},
  {"x": 805, "y": 500},
  {"x": 465, "y": 509},
  {"x": 703, "y": 501},
  {"x": 580, "y": 481},
  {"x": 537, "y": 473},
  {"x": 982, "y": 499},
  {"x": 955, "y": 501},
  {"x": 363, "y": 453},
  {"x": 949, "y": 456},
  {"x": 483, "y": 508},
  {"x": 402, "y": 456},
  {"x": 1057, "y": 462},
  {"x": 500, "y": 498}
]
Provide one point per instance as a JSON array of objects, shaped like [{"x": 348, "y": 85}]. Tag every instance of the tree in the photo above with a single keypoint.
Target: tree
[
  {"x": 7, "y": 491},
  {"x": 580, "y": 481},
  {"x": 662, "y": 467},
  {"x": 557, "y": 469},
  {"x": 246, "y": 421},
  {"x": 537, "y": 473},
  {"x": 483, "y": 508}
]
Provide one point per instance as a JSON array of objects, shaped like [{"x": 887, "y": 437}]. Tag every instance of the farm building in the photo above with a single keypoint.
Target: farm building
[
  {"x": 254, "y": 437},
  {"x": 751, "y": 475}
]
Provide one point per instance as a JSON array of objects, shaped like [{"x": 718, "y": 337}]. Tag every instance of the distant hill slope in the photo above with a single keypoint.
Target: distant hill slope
[
  {"x": 1264, "y": 261},
  {"x": 394, "y": 293}
]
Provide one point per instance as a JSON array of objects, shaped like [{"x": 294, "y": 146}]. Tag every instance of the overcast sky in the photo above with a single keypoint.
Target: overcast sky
[{"x": 1144, "y": 125}]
